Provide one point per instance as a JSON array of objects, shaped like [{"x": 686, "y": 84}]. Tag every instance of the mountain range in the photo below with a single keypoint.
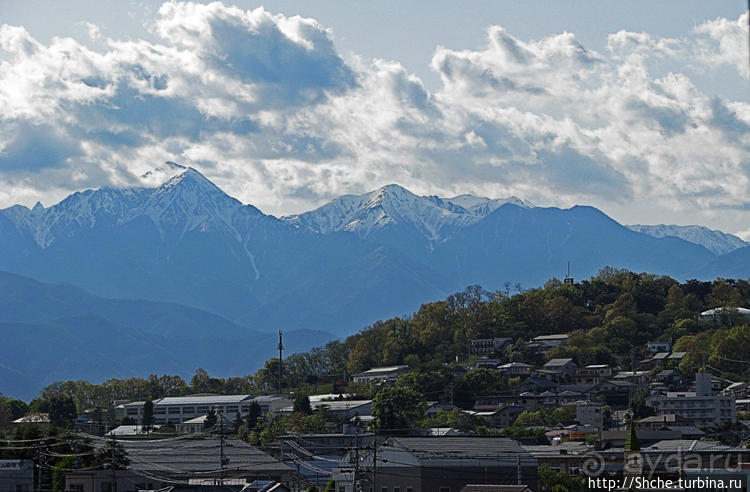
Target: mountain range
[{"x": 188, "y": 245}]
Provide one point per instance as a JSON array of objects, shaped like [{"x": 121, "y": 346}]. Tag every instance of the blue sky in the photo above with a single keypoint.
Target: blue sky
[{"x": 639, "y": 108}]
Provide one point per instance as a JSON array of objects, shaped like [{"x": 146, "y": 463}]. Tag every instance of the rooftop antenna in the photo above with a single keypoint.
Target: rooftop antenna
[{"x": 568, "y": 280}]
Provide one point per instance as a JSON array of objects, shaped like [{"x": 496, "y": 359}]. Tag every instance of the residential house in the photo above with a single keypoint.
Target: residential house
[
  {"x": 550, "y": 341},
  {"x": 567, "y": 457},
  {"x": 488, "y": 363},
  {"x": 433, "y": 407},
  {"x": 536, "y": 385},
  {"x": 668, "y": 377},
  {"x": 656, "y": 422},
  {"x": 593, "y": 374},
  {"x": 515, "y": 369},
  {"x": 489, "y": 346},
  {"x": 563, "y": 367},
  {"x": 660, "y": 346}
]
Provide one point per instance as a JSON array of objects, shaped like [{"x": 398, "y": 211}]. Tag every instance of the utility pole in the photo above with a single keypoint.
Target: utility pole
[
  {"x": 224, "y": 460},
  {"x": 38, "y": 466},
  {"x": 114, "y": 477},
  {"x": 356, "y": 462},
  {"x": 281, "y": 370},
  {"x": 375, "y": 462},
  {"x": 75, "y": 442},
  {"x": 518, "y": 466}
]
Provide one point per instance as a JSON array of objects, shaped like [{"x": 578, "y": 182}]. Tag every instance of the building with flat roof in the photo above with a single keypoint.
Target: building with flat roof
[
  {"x": 380, "y": 374},
  {"x": 699, "y": 407},
  {"x": 445, "y": 464},
  {"x": 176, "y": 410},
  {"x": 16, "y": 475}
]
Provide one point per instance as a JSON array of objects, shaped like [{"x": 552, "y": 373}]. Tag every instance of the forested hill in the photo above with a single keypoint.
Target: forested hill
[{"x": 610, "y": 318}]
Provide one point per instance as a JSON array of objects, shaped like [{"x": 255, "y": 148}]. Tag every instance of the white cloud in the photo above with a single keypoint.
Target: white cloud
[
  {"x": 265, "y": 106},
  {"x": 724, "y": 41}
]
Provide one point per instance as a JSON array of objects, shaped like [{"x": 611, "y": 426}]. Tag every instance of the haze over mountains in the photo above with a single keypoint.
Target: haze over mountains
[{"x": 334, "y": 269}]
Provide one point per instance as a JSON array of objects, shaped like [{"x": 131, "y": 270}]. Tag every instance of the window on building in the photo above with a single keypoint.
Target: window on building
[
  {"x": 245, "y": 408},
  {"x": 174, "y": 410},
  {"x": 445, "y": 489},
  {"x": 408, "y": 489},
  {"x": 160, "y": 410},
  {"x": 76, "y": 487},
  {"x": 383, "y": 489},
  {"x": 109, "y": 487},
  {"x": 22, "y": 487},
  {"x": 202, "y": 408},
  {"x": 396, "y": 489},
  {"x": 232, "y": 408},
  {"x": 188, "y": 410},
  {"x": 132, "y": 411}
]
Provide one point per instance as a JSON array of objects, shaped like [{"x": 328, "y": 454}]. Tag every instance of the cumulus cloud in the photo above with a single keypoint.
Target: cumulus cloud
[
  {"x": 267, "y": 108},
  {"x": 724, "y": 41}
]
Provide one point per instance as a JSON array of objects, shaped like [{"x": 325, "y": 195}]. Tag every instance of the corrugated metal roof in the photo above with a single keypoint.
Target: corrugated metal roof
[
  {"x": 460, "y": 447},
  {"x": 197, "y": 455},
  {"x": 202, "y": 400}
]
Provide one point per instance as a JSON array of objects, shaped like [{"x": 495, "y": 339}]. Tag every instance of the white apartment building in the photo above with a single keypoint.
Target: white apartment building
[
  {"x": 700, "y": 407},
  {"x": 175, "y": 410}
]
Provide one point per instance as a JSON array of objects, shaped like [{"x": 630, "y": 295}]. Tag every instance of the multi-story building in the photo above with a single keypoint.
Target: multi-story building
[
  {"x": 700, "y": 407},
  {"x": 488, "y": 346},
  {"x": 590, "y": 413},
  {"x": 380, "y": 374},
  {"x": 16, "y": 475},
  {"x": 176, "y": 410}
]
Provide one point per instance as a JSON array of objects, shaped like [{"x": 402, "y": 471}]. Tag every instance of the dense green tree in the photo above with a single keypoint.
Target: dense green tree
[
  {"x": 724, "y": 294},
  {"x": 397, "y": 408},
  {"x": 301, "y": 404},
  {"x": 147, "y": 420},
  {"x": 18, "y": 408},
  {"x": 59, "y": 470},
  {"x": 555, "y": 481},
  {"x": 6, "y": 414},
  {"x": 62, "y": 410},
  {"x": 211, "y": 419},
  {"x": 253, "y": 414}
]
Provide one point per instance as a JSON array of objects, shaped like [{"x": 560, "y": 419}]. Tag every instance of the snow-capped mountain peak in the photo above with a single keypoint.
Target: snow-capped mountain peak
[
  {"x": 717, "y": 242},
  {"x": 186, "y": 200},
  {"x": 432, "y": 217}
]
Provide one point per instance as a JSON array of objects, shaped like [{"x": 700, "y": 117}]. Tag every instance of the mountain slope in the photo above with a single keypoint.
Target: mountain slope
[
  {"x": 717, "y": 242},
  {"x": 731, "y": 265},
  {"x": 71, "y": 334},
  {"x": 188, "y": 242},
  {"x": 531, "y": 245}
]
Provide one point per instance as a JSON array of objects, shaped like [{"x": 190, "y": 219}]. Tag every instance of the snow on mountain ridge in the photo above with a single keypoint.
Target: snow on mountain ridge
[
  {"x": 392, "y": 204},
  {"x": 187, "y": 199},
  {"x": 717, "y": 242}
]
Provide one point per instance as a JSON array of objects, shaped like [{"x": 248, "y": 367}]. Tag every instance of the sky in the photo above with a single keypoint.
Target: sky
[{"x": 639, "y": 108}]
